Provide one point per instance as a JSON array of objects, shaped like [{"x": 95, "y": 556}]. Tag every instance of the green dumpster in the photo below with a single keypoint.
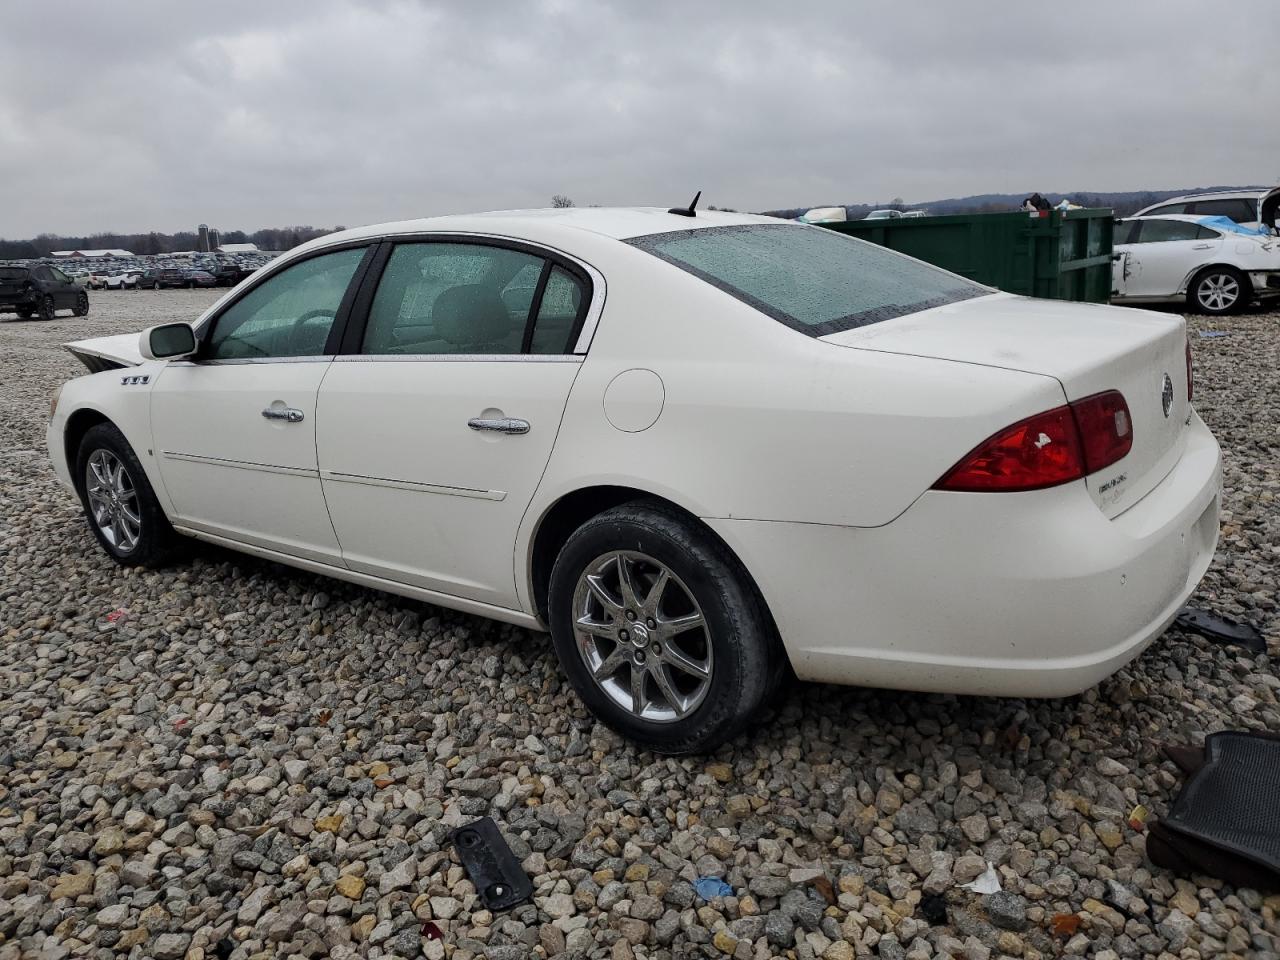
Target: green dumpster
[{"x": 1061, "y": 255}]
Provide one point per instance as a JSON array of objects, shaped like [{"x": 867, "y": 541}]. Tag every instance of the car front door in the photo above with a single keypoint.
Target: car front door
[
  {"x": 235, "y": 428},
  {"x": 63, "y": 288},
  {"x": 435, "y": 429},
  {"x": 1164, "y": 252}
]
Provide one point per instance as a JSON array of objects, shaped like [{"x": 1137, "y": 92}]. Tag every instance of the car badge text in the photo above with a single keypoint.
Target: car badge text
[{"x": 1166, "y": 395}]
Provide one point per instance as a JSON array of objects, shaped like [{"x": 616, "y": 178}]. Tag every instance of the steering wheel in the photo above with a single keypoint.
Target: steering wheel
[{"x": 298, "y": 345}]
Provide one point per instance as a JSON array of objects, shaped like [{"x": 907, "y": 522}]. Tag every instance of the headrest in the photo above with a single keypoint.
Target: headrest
[{"x": 470, "y": 315}]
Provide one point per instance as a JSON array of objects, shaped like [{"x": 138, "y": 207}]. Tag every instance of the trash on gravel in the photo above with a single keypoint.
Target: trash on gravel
[
  {"x": 118, "y": 614},
  {"x": 933, "y": 908},
  {"x": 493, "y": 868},
  {"x": 1213, "y": 334},
  {"x": 1138, "y": 817},
  {"x": 1220, "y": 629},
  {"x": 987, "y": 882},
  {"x": 1065, "y": 925},
  {"x": 708, "y": 888},
  {"x": 431, "y": 932}
]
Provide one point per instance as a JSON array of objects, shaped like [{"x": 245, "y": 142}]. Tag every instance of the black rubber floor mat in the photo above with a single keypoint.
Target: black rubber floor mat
[{"x": 1228, "y": 808}]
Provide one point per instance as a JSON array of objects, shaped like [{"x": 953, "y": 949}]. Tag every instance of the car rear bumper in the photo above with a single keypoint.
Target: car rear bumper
[
  {"x": 1029, "y": 594},
  {"x": 1266, "y": 283}
]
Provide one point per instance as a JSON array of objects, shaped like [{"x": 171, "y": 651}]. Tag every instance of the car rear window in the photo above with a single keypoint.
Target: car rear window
[
  {"x": 812, "y": 279},
  {"x": 13, "y": 273}
]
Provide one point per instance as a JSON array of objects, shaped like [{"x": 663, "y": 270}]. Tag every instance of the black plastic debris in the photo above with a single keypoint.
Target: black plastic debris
[
  {"x": 1225, "y": 821},
  {"x": 493, "y": 868},
  {"x": 1220, "y": 629},
  {"x": 934, "y": 909}
]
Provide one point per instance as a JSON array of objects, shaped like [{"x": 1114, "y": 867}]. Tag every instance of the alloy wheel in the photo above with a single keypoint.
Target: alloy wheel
[
  {"x": 642, "y": 636},
  {"x": 1218, "y": 292},
  {"x": 113, "y": 500}
]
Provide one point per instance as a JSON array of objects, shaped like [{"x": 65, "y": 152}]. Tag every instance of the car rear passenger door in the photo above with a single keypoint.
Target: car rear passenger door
[
  {"x": 1164, "y": 252},
  {"x": 435, "y": 429},
  {"x": 235, "y": 429}
]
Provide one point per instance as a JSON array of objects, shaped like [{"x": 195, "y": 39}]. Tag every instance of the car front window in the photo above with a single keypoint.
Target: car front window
[
  {"x": 812, "y": 279},
  {"x": 289, "y": 315}
]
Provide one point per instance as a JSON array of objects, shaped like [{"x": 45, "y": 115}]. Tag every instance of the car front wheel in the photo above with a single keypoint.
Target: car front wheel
[
  {"x": 660, "y": 630},
  {"x": 46, "y": 308},
  {"x": 122, "y": 509},
  {"x": 82, "y": 304},
  {"x": 1218, "y": 291}
]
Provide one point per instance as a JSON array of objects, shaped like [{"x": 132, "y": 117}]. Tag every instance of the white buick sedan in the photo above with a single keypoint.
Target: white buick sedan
[{"x": 699, "y": 449}]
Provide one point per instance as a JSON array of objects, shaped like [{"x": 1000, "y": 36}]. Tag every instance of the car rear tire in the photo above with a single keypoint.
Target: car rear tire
[
  {"x": 660, "y": 629},
  {"x": 1218, "y": 291},
  {"x": 156, "y": 286},
  {"x": 119, "y": 503},
  {"x": 82, "y": 304},
  {"x": 46, "y": 308}
]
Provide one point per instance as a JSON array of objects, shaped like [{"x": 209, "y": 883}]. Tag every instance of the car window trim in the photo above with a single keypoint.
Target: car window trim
[
  {"x": 340, "y": 319},
  {"x": 588, "y": 311}
]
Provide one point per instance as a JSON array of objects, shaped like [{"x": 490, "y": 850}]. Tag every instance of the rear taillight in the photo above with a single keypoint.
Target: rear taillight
[
  {"x": 1054, "y": 447},
  {"x": 1041, "y": 451},
  {"x": 1106, "y": 434},
  {"x": 1191, "y": 380}
]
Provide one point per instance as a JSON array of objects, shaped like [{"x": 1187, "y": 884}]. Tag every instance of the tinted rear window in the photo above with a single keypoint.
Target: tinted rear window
[
  {"x": 13, "y": 273},
  {"x": 810, "y": 278}
]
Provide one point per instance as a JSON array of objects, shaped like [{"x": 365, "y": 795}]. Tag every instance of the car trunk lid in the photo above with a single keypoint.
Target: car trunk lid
[{"x": 1088, "y": 348}]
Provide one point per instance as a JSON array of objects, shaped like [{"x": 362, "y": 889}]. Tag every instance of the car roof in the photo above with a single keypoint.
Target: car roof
[
  {"x": 1188, "y": 217},
  {"x": 550, "y": 225},
  {"x": 1248, "y": 193}
]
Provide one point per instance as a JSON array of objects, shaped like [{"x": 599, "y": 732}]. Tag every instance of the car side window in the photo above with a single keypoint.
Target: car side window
[
  {"x": 42, "y": 273},
  {"x": 452, "y": 298},
  {"x": 1160, "y": 231},
  {"x": 1239, "y": 210},
  {"x": 59, "y": 275},
  {"x": 1168, "y": 208},
  {"x": 1123, "y": 231},
  {"x": 289, "y": 315},
  {"x": 1205, "y": 233},
  {"x": 562, "y": 304}
]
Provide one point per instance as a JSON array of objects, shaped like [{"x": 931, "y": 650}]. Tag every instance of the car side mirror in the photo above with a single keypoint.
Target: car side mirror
[{"x": 168, "y": 341}]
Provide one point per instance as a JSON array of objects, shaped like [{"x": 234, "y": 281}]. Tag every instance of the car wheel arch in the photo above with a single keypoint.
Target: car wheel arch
[
  {"x": 573, "y": 509},
  {"x": 78, "y": 424},
  {"x": 1194, "y": 277}
]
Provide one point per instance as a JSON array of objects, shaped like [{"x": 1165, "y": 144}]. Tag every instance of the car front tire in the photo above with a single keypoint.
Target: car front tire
[
  {"x": 82, "y": 304},
  {"x": 119, "y": 503},
  {"x": 1218, "y": 291},
  {"x": 46, "y": 308},
  {"x": 660, "y": 630}
]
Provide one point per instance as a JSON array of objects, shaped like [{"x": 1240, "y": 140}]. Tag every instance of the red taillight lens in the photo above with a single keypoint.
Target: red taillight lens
[
  {"x": 1191, "y": 380},
  {"x": 1106, "y": 432},
  {"x": 1057, "y": 446},
  {"x": 1041, "y": 451}
]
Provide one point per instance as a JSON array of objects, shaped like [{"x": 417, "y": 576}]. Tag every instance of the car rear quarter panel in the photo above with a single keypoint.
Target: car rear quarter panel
[{"x": 761, "y": 422}]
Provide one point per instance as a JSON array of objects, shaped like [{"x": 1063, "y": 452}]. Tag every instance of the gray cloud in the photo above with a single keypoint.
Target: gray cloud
[{"x": 161, "y": 115}]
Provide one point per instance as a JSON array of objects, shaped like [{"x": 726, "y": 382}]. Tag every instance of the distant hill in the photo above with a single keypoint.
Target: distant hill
[{"x": 1124, "y": 202}]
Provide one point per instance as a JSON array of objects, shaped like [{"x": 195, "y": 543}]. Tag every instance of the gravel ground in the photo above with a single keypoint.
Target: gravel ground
[{"x": 231, "y": 758}]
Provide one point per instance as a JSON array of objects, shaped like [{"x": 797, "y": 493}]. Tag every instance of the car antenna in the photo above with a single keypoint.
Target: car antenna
[{"x": 687, "y": 211}]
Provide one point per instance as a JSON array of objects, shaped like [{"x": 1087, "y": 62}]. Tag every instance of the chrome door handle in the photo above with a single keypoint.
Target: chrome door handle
[
  {"x": 1203, "y": 246},
  {"x": 500, "y": 425},
  {"x": 287, "y": 414}
]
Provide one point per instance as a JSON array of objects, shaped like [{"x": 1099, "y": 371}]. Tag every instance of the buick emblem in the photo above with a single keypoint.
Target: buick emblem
[{"x": 1166, "y": 395}]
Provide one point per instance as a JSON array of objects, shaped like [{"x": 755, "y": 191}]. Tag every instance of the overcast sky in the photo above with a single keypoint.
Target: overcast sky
[{"x": 161, "y": 115}]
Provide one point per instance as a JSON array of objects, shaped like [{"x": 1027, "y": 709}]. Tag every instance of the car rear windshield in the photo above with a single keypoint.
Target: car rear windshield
[
  {"x": 810, "y": 278},
  {"x": 13, "y": 273}
]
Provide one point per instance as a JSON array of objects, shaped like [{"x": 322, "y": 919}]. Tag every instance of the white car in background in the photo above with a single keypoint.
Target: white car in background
[
  {"x": 1254, "y": 207},
  {"x": 1208, "y": 262},
  {"x": 883, "y": 215},
  {"x": 124, "y": 280},
  {"x": 643, "y": 430}
]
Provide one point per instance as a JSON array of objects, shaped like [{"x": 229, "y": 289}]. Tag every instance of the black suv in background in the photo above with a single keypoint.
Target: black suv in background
[
  {"x": 40, "y": 290},
  {"x": 158, "y": 277}
]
